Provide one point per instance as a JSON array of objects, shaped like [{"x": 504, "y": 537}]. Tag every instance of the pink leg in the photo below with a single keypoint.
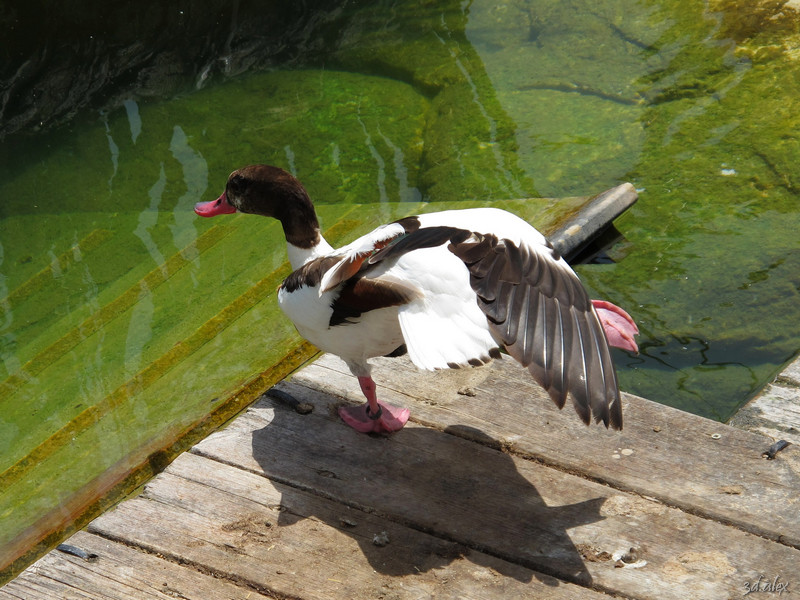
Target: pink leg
[
  {"x": 617, "y": 324},
  {"x": 374, "y": 416}
]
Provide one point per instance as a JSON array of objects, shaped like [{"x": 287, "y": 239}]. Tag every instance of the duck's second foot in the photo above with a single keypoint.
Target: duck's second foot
[{"x": 386, "y": 419}]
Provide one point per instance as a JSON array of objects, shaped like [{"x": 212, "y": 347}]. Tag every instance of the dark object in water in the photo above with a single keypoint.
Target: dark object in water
[
  {"x": 75, "y": 551},
  {"x": 576, "y": 234},
  {"x": 775, "y": 448}
]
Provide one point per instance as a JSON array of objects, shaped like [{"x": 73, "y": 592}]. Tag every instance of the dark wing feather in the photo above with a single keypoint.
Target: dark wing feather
[
  {"x": 310, "y": 274},
  {"x": 426, "y": 237},
  {"x": 544, "y": 318},
  {"x": 361, "y": 294}
]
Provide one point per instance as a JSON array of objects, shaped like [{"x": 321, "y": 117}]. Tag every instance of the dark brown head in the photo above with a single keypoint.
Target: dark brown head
[{"x": 270, "y": 192}]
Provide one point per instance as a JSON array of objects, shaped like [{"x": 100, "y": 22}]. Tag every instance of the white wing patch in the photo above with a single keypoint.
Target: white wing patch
[{"x": 444, "y": 327}]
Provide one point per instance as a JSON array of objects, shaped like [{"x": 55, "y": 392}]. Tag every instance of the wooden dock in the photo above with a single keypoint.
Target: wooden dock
[
  {"x": 775, "y": 411},
  {"x": 490, "y": 493}
]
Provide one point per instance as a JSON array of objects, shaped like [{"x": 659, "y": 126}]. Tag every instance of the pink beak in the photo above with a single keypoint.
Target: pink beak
[{"x": 220, "y": 206}]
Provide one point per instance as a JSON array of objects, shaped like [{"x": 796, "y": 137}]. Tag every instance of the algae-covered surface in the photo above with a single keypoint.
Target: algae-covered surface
[{"x": 129, "y": 325}]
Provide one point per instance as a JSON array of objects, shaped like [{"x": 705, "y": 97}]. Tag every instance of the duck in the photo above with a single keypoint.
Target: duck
[{"x": 452, "y": 289}]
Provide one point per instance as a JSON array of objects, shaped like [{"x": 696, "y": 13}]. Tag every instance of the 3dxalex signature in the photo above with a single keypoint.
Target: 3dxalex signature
[{"x": 766, "y": 585}]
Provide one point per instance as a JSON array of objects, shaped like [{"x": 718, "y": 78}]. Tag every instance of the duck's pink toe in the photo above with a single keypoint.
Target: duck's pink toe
[
  {"x": 618, "y": 325},
  {"x": 391, "y": 418}
]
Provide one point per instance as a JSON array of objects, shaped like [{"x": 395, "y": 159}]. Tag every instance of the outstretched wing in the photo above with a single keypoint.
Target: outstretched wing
[{"x": 539, "y": 311}]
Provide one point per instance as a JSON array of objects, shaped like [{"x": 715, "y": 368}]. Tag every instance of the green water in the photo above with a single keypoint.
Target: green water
[{"x": 125, "y": 320}]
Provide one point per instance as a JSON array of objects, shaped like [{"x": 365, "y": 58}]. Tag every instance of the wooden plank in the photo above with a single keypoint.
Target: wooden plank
[
  {"x": 791, "y": 374},
  {"x": 775, "y": 411},
  {"x": 284, "y": 541},
  {"x": 696, "y": 464},
  {"x": 516, "y": 509},
  {"x": 117, "y": 572}
]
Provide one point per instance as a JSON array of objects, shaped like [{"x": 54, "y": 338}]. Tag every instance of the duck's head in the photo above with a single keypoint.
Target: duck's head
[
  {"x": 256, "y": 189},
  {"x": 271, "y": 192}
]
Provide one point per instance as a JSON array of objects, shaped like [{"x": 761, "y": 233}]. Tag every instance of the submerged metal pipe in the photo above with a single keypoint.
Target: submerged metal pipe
[{"x": 588, "y": 223}]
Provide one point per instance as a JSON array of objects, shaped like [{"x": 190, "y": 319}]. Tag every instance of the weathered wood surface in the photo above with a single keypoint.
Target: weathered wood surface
[
  {"x": 289, "y": 542},
  {"x": 775, "y": 411},
  {"x": 490, "y": 493},
  {"x": 206, "y": 519},
  {"x": 699, "y": 465},
  {"x": 120, "y": 572}
]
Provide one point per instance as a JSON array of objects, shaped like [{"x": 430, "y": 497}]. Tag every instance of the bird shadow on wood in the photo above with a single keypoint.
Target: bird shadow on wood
[{"x": 420, "y": 499}]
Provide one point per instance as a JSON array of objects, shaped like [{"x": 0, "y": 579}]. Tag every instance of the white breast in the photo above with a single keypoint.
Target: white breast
[{"x": 375, "y": 333}]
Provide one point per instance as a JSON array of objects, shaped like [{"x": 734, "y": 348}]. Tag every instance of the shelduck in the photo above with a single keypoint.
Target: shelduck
[{"x": 452, "y": 289}]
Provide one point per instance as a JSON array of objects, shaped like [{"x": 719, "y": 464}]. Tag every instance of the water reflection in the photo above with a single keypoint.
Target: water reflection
[
  {"x": 113, "y": 150},
  {"x": 195, "y": 176},
  {"x": 132, "y": 110},
  {"x": 148, "y": 219},
  {"x": 568, "y": 76},
  {"x": 7, "y": 338},
  {"x": 383, "y": 197},
  {"x": 405, "y": 192},
  {"x": 140, "y": 331}
]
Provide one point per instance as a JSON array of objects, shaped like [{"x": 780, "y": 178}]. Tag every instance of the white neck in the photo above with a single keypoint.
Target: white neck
[{"x": 300, "y": 256}]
